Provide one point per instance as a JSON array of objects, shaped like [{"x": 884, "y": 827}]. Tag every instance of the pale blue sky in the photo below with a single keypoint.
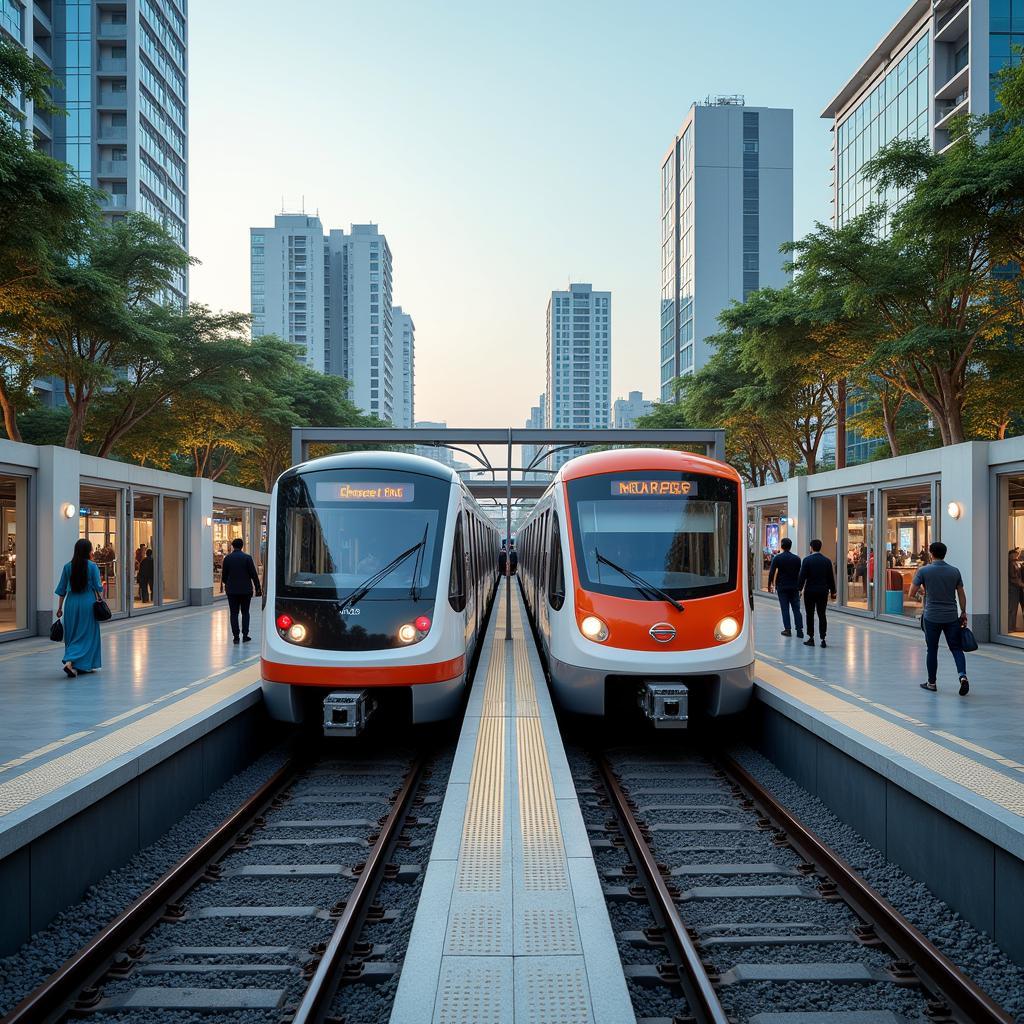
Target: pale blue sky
[{"x": 504, "y": 151}]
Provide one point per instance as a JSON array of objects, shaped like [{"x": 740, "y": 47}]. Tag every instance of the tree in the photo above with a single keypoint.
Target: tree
[
  {"x": 102, "y": 319},
  {"x": 44, "y": 208},
  {"x": 929, "y": 297}
]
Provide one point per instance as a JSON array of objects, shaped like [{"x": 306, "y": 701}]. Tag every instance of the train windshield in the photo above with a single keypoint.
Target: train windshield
[
  {"x": 672, "y": 531},
  {"x": 340, "y": 530}
]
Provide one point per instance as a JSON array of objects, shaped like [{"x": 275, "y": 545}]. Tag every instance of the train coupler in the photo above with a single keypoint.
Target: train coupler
[
  {"x": 346, "y": 712},
  {"x": 665, "y": 705}
]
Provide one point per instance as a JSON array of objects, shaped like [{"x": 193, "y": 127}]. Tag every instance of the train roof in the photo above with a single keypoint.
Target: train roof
[
  {"x": 625, "y": 460},
  {"x": 379, "y": 460}
]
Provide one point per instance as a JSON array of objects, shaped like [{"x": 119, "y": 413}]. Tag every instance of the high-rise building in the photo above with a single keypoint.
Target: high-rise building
[
  {"x": 578, "y": 361},
  {"x": 123, "y": 65},
  {"x": 726, "y": 207},
  {"x": 935, "y": 63},
  {"x": 287, "y": 282},
  {"x": 439, "y": 454},
  {"x": 626, "y": 411},
  {"x": 537, "y": 421},
  {"x": 405, "y": 348},
  {"x": 331, "y": 297}
]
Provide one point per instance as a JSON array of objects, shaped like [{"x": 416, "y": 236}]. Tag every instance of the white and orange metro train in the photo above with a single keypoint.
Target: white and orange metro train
[
  {"x": 634, "y": 573},
  {"x": 380, "y": 576}
]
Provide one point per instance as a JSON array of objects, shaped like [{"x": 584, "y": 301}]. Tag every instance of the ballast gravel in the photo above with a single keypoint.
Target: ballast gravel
[
  {"x": 49, "y": 948},
  {"x": 970, "y": 949}
]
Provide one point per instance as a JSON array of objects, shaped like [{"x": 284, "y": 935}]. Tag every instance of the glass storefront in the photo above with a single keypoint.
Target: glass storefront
[
  {"x": 100, "y": 519},
  {"x": 1010, "y": 571},
  {"x": 770, "y": 523},
  {"x": 858, "y": 545},
  {"x": 146, "y": 556},
  {"x": 907, "y": 513},
  {"x": 245, "y": 521},
  {"x": 172, "y": 548},
  {"x": 13, "y": 517},
  {"x": 826, "y": 529}
]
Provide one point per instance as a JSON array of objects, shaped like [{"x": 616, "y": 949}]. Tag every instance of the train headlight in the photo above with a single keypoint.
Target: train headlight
[
  {"x": 727, "y": 629},
  {"x": 297, "y": 632},
  {"x": 407, "y": 633},
  {"x": 594, "y": 629}
]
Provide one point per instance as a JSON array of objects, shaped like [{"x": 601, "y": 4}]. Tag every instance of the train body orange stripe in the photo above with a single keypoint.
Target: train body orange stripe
[{"x": 362, "y": 675}]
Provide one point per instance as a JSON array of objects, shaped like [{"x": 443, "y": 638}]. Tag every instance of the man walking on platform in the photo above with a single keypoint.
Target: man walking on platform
[
  {"x": 943, "y": 587},
  {"x": 513, "y": 558},
  {"x": 239, "y": 580},
  {"x": 784, "y": 577},
  {"x": 817, "y": 580},
  {"x": 503, "y": 560}
]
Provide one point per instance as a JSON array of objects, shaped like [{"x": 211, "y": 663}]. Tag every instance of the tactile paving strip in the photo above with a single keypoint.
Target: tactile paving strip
[
  {"x": 472, "y": 990},
  {"x": 552, "y": 990},
  {"x": 964, "y": 771},
  {"x": 544, "y": 867},
  {"x": 45, "y": 779},
  {"x": 480, "y": 853},
  {"x": 547, "y": 930}
]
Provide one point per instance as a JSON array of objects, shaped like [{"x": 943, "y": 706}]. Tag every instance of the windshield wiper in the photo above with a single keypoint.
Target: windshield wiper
[
  {"x": 414, "y": 590},
  {"x": 639, "y": 582},
  {"x": 367, "y": 585}
]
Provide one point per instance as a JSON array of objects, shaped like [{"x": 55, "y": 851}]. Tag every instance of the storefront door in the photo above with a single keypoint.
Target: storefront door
[
  {"x": 826, "y": 529},
  {"x": 857, "y": 551},
  {"x": 157, "y": 557},
  {"x": 101, "y": 519},
  {"x": 1009, "y": 569},
  {"x": 14, "y": 574}
]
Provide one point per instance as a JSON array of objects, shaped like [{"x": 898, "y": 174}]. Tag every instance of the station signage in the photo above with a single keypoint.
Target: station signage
[
  {"x": 654, "y": 488},
  {"x": 370, "y": 492}
]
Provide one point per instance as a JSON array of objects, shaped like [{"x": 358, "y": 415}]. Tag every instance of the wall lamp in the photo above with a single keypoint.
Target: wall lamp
[
  {"x": 954, "y": 510},
  {"x": 68, "y": 510},
  {"x": 209, "y": 520}
]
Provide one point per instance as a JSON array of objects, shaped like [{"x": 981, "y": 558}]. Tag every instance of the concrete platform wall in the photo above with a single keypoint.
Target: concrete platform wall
[
  {"x": 53, "y": 871},
  {"x": 979, "y": 880}
]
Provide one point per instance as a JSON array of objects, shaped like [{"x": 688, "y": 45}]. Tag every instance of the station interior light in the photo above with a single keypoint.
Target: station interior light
[
  {"x": 954, "y": 510},
  {"x": 69, "y": 511}
]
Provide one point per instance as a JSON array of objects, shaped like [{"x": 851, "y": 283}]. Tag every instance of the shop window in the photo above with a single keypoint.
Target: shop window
[
  {"x": 101, "y": 520},
  {"x": 772, "y": 526},
  {"x": 859, "y": 550},
  {"x": 1011, "y": 556},
  {"x": 13, "y": 592},
  {"x": 229, "y": 522},
  {"x": 826, "y": 528},
  {"x": 908, "y": 532},
  {"x": 172, "y": 550},
  {"x": 145, "y": 553}
]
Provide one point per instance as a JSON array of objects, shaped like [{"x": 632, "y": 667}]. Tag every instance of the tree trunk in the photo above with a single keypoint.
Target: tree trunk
[
  {"x": 841, "y": 423},
  {"x": 76, "y": 425},
  {"x": 10, "y": 413},
  {"x": 889, "y": 414}
]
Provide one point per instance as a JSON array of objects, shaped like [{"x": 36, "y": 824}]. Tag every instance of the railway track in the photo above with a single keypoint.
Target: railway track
[
  {"x": 728, "y": 909},
  {"x": 266, "y": 918}
]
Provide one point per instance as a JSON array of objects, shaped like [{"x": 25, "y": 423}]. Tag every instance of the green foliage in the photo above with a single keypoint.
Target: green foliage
[{"x": 43, "y": 425}]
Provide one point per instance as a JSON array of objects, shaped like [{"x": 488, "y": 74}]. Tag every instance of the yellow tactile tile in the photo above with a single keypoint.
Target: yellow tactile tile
[
  {"x": 981, "y": 780},
  {"x": 49, "y": 777}
]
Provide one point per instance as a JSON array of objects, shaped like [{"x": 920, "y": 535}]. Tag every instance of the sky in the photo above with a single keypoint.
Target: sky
[{"x": 503, "y": 150}]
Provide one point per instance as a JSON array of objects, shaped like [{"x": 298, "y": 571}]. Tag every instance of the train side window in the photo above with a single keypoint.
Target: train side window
[
  {"x": 556, "y": 579},
  {"x": 457, "y": 580}
]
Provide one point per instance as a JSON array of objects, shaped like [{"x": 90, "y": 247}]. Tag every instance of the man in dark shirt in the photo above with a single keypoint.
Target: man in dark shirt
[
  {"x": 784, "y": 579},
  {"x": 239, "y": 580},
  {"x": 945, "y": 613},
  {"x": 503, "y": 560},
  {"x": 513, "y": 559},
  {"x": 817, "y": 580}
]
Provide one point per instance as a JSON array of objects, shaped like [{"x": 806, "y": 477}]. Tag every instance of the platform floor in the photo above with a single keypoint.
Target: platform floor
[
  {"x": 865, "y": 687},
  {"x": 512, "y": 925},
  {"x": 160, "y": 673}
]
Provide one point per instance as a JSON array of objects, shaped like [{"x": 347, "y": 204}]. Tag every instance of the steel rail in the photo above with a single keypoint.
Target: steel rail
[
  {"x": 971, "y": 1004},
  {"x": 700, "y": 992},
  {"x": 325, "y": 981},
  {"x": 50, "y": 1000}
]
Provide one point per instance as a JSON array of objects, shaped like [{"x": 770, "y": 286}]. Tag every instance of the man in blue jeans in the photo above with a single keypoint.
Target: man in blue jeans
[
  {"x": 783, "y": 578},
  {"x": 943, "y": 587}
]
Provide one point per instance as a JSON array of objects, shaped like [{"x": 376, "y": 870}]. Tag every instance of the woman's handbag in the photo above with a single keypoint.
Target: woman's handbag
[
  {"x": 967, "y": 640},
  {"x": 57, "y": 632},
  {"x": 101, "y": 610}
]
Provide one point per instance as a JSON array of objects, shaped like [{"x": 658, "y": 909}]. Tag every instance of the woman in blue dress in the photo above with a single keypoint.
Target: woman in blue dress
[{"x": 79, "y": 589}]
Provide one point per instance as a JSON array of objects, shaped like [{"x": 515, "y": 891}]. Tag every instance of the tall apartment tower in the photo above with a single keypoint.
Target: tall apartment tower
[
  {"x": 626, "y": 411},
  {"x": 934, "y": 64},
  {"x": 726, "y": 207},
  {"x": 578, "y": 361},
  {"x": 287, "y": 285},
  {"x": 405, "y": 345},
  {"x": 330, "y": 295},
  {"x": 537, "y": 421},
  {"x": 123, "y": 65}
]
